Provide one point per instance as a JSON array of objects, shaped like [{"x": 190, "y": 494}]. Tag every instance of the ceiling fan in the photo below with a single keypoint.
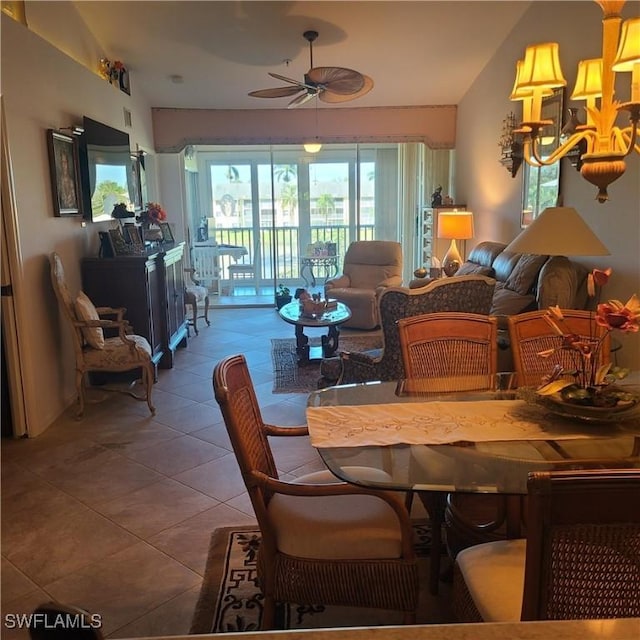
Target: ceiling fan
[{"x": 330, "y": 84}]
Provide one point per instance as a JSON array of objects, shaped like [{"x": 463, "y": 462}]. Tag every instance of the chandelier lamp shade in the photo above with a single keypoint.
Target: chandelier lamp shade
[
  {"x": 606, "y": 144},
  {"x": 454, "y": 225}
]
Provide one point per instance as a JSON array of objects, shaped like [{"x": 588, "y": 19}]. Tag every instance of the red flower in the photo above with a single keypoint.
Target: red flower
[{"x": 615, "y": 315}]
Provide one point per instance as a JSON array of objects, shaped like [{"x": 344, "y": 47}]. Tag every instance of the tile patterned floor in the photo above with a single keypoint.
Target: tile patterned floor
[{"x": 114, "y": 512}]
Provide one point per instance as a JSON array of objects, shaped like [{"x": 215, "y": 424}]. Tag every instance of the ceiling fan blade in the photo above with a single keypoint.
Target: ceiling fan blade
[
  {"x": 337, "y": 79},
  {"x": 328, "y": 95},
  {"x": 276, "y": 92},
  {"x": 291, "y": 81},
  {"x": 301, "y": 99}
]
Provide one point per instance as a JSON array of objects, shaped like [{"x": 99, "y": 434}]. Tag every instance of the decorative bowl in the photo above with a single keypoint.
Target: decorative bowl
[{"x": 558, "y": 405}]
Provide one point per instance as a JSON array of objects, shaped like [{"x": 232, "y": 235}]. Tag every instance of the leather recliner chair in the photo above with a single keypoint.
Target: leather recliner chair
[{"x": 370, "y": 266}]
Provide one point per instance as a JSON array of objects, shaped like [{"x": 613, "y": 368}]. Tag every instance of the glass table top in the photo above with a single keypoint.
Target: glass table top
[{"x": 467, "y": 466}]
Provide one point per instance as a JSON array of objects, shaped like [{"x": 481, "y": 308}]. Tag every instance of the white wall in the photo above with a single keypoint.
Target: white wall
[
  {"x": 495, "y": 197},
  {"x": 43, "y": 88}
]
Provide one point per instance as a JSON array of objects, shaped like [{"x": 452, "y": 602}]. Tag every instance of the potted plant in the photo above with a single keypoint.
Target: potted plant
[{"x": 283, "y": 296}]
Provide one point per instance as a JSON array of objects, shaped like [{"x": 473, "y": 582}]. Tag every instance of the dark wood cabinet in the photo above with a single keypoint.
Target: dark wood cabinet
[{"x": 151, "y": 287}]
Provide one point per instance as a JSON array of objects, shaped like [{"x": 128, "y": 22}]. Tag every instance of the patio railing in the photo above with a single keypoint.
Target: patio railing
[{"x": 284, "y": 265}]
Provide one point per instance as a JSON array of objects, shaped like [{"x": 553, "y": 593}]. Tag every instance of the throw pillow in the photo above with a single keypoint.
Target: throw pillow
[
  {"x": 471, "y": 268},
  {"x": 87, "y": 311},
  {"x": 509, "y": 303},
  {"x": 525, "y": 273}
]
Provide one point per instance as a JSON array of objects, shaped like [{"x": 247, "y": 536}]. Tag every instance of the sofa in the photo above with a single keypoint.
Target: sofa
[{"x": 526, "y": 282}]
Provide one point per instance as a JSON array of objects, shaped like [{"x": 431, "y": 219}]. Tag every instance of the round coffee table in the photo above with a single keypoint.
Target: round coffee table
[{"x": 333, "y": 318}]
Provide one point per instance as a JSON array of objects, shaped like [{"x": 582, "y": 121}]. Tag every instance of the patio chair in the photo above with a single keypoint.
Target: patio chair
[
  {"x": 580, "y": 559},
  {"x": 323, "y": 541}
]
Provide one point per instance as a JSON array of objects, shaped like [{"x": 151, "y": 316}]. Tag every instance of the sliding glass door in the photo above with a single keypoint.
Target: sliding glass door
[{"x": 261, "y": 210}]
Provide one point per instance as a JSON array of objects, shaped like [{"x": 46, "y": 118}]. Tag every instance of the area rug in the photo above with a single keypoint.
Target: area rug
[
  {"x": 289, "y": 377},
  {"x": 230, "y": 599}
]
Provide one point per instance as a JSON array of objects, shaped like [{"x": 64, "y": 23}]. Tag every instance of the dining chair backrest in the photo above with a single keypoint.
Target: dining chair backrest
[
  {"x": 235, "y": 394},
  {"x": 530, "y": 334},
  {"x": 459, "y": 348},
  {"x": 583, "y": 545}
]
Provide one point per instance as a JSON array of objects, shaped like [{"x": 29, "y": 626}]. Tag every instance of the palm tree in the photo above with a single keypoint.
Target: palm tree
[
  {"x": 289, "y": 198},
  {"x": 285, "y": 172},
  {"x": 325, "y": 204}
]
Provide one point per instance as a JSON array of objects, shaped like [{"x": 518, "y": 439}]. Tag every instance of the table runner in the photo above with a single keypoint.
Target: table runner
[{"x": 441, "y": 423}]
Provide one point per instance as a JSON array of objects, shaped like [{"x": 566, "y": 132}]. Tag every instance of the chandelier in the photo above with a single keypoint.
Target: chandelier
[{"x": 605, "y": 145}]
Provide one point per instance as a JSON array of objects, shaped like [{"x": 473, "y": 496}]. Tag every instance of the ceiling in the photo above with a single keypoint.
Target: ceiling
[{"x": 209, "y": 54}]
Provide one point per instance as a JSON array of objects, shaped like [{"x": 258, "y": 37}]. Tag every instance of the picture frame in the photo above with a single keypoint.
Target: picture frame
[
  {"x": 65, "y": 173},
  {"x": 106, "y": 245},
  {"x": 167, "y": 234},
  {"x": 120, "y": 246},
  {"x": 133, "y": 236}
]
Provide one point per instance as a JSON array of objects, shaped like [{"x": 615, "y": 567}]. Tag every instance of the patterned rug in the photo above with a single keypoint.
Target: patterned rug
[
  {"x": 289, "y": 377},
  {"x": 230, "y": 599}
]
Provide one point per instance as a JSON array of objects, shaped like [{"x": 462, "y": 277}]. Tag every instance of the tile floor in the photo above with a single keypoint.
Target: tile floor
[{"x": 114, "y": 512}]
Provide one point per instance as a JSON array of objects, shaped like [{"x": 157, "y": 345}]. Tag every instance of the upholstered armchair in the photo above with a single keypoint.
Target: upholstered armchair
[
  {"x": 466, "y": 294},
  {"x": 94, "y": 351},
  {"x": 370, "y": 266}
]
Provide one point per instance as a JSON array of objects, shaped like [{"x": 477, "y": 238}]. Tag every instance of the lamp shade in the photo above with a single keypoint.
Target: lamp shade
[
  {"x": 629, "y": 47},
  {"x": 541, "y": 67},
  {"x": 589, "y": 80},
  {"x": 558, "y": 231},
  {"x": 455, "y": 225}
]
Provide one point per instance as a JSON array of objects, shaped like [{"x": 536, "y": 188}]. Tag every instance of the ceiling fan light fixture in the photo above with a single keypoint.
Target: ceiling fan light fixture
[{"x": 313, "y": 146}]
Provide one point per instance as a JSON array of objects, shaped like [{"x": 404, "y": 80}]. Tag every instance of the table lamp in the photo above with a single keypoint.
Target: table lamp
[
  {"x": 454, "y": 225},
  {"x": 558, "y": 231}
]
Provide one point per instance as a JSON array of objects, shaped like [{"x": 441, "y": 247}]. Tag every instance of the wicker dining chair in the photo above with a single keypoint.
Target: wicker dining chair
[
  {"x": 580, "y": 559},
  {"x": 459, "y": 348},
  {"x": 529, "y": 334},
  {"x": 323, "y": 541},
  {"x": 446, "y": 352}
]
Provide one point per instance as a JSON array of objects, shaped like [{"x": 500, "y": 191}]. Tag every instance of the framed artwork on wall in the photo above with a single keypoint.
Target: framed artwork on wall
[{"x": 64, "y": 169}]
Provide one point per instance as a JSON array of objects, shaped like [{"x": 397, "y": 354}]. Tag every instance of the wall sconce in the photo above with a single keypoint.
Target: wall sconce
[{"x": 511, "y": 148}]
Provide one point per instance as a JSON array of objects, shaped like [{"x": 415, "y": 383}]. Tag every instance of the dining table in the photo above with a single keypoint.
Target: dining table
[{"x": 480, "y": 439}]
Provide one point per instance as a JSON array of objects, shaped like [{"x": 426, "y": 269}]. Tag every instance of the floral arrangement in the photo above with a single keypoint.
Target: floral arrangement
[
  {"x": 153, "y": 214},
  {"x": 591, "y": 384},
  {"x": 111, "y": 70}
]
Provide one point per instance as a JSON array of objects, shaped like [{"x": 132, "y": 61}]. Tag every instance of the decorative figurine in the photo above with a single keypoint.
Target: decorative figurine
[{"x": 436, "y": 197}]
